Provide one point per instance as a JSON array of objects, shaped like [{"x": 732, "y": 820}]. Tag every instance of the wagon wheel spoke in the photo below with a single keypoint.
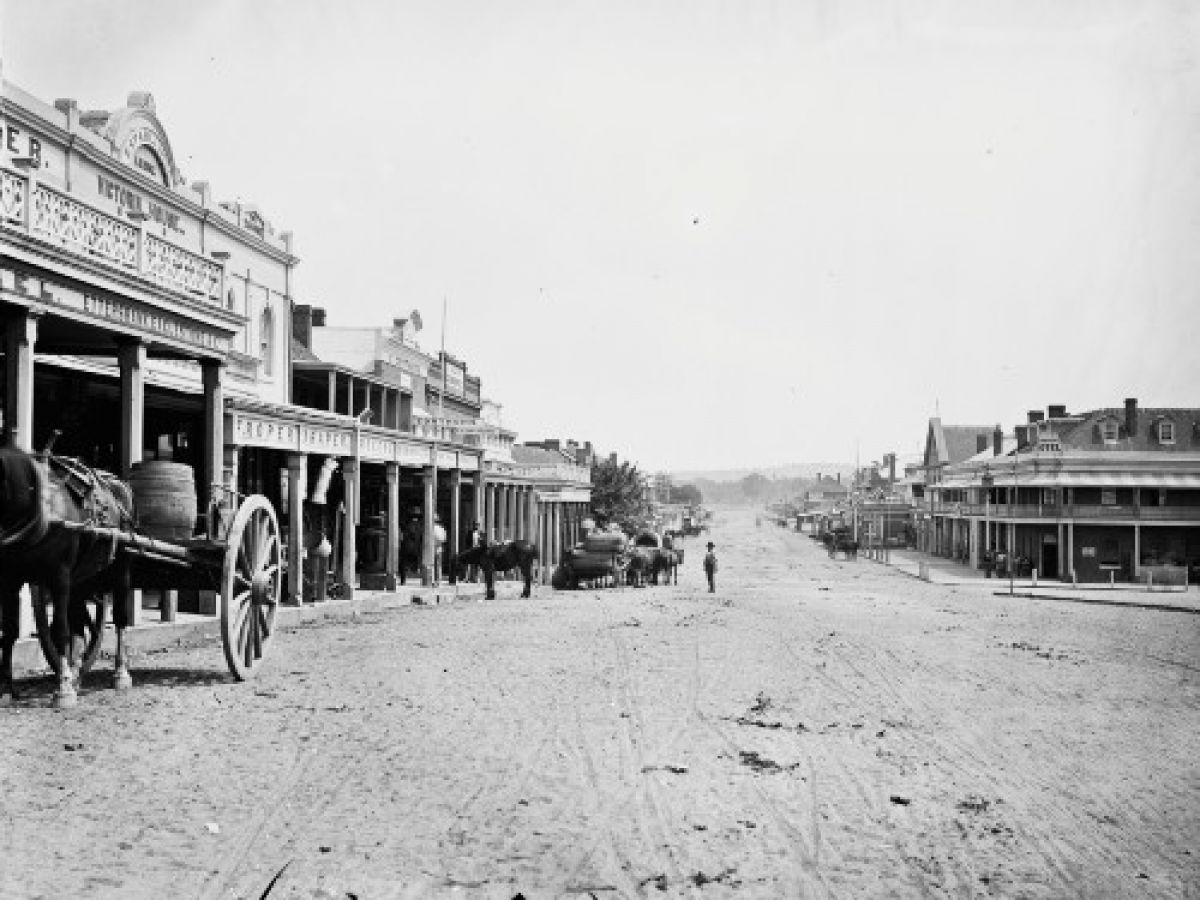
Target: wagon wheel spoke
[
  {"x": 262, "y": 547},
  {"x": 243, "y": 603},
  {"x": 256, "y": 633},
  {"x": 264, "y": 622}
]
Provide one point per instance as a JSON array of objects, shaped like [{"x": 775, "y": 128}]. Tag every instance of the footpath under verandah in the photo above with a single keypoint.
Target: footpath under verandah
[
  {"x": 938, "y": 570},
  {"x": 150, "y": 636}
]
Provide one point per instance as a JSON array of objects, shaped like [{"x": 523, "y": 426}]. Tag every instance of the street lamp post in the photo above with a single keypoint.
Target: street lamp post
[
  {"x": 1012, "y": 555},
  {"x": 987, "y": 481}
]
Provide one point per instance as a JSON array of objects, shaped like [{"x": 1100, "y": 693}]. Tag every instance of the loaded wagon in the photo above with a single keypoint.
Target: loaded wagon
[
  {"x": 600, "y": 558},
  {"x": 77, "y": 535}
]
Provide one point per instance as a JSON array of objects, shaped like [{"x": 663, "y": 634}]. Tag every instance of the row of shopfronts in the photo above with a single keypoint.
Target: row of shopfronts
[{"x": 142, "y": 320}]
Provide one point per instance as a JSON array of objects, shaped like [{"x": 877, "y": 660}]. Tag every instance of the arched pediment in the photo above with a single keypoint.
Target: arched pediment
[{"x": 140, "y": 142}]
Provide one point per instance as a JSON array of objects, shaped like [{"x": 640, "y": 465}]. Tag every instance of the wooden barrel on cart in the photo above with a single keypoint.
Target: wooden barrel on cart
[{"x": 165, "y": 495}]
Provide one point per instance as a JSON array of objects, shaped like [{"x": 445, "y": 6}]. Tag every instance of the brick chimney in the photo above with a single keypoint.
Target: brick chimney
[
  {"x": 302, "y": 316},
  {"x": 552, "y": 444},
  {"x": 997, "y": 441},
  {"x": 891, "y": 458},
  {"x": 1022, "y": 437},
  {"x": 1035, "y": 416},
  {"x": 1131, "y": 416},
  {"x": 318, "y": 317},
  {"x": 981, "y": 442},
  {"x": 1056, "y": 411}
]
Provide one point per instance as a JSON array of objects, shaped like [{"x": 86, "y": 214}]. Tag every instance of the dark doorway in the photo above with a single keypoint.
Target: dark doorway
[{"x": 1049, "y": 561}]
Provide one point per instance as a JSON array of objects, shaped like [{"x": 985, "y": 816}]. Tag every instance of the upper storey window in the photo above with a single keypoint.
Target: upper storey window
[
  {"x": 266, "y": 341},
  {"x": 1166, "y": 431},
  {"x": 1109, "y": 431}
]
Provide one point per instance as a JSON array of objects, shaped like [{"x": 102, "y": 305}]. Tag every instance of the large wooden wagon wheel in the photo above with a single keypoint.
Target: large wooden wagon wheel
[
  {"x": 251, "y": 582},
  {"x": 95, "y": 614}
]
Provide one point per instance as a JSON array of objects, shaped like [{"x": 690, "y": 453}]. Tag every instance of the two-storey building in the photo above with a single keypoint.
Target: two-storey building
[{"x": 1111, "y": 494}]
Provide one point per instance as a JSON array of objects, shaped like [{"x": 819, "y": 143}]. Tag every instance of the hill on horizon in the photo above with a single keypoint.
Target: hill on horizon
[{"x": 789, "y": 470}]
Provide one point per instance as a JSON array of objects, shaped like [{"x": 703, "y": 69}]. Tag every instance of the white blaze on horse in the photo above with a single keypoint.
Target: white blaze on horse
[{"x": 41, "y": 497}]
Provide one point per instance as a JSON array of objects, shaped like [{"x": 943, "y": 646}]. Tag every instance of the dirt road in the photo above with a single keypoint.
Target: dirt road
[{"x": 815, "y": 729}]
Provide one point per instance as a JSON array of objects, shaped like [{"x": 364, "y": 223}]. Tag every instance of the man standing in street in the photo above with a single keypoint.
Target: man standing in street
[{"x": 710, "y": 568}]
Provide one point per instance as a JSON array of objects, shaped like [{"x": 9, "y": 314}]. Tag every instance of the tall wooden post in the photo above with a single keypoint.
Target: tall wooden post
[
  {"x": 212, "y": 466},
  {"x": 297, "y": 467},
  {"x": 20, "y": 336},
  {"x": 349, "y": 526},
  {"x": 131, "y": 356},
  {"x": 392, "y": 475},
  {"x": 454, "y": 538},
  {"x": 427, "y": 544}
]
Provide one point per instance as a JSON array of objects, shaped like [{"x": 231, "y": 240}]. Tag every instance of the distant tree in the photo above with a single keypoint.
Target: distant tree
[
  {"x": 755, "y": 486},
  {"x": 686, "y": 493},
  {"x": 619, "y": 496}
]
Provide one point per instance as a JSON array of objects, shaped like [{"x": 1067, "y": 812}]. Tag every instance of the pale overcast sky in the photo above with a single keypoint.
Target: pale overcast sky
[{"x": 704, "y": 234}]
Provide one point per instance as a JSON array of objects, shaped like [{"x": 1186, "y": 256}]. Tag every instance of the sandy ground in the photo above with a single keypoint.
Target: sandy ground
[{"x": 815, "y": 729}]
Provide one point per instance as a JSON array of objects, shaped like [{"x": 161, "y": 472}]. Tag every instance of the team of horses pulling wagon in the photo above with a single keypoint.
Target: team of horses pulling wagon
[
  {"x": 74, "y": 535},
  {"x": 608, "y": 559}
]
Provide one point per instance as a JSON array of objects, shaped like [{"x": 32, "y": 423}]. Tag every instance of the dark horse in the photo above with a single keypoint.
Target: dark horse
[
  {"x": 41, "y": 497},
  {"x": 493, "y": 558},
  {"x": 666, "y": 564}
]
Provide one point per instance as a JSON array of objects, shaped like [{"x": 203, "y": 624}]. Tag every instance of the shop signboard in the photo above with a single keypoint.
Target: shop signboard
[{"x": 412, "y": 454}]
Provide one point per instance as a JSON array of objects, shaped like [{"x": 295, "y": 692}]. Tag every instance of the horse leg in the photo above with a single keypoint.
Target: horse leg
[
  {"x": 75, "y": 648},
  {"x": 489, "y": 581},
  {"x": 123, "y": 598},
  {"x": 10, "y": 624},
  {"x": 60, "y": 632},
  {"x": 527, "y": 571}
]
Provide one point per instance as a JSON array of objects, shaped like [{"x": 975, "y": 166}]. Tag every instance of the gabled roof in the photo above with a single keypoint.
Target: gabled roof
[
  {"x": 1083, "y": 431},
  {"x": 539, "y": 456},
  {"x": 946, "y": 445}
]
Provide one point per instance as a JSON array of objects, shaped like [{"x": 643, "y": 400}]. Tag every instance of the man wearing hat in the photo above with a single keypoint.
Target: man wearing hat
[{"x": 710, "y": 567}]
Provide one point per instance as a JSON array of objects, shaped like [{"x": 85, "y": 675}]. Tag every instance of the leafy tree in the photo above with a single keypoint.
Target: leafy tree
[
  {"x": 619, "y": 496},
  {"x": 686, "y": 493},
  {"x": 755, "y": 486}
]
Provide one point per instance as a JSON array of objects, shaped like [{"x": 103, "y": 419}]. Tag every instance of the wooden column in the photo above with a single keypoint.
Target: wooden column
[
  {"x": 453, "y": 537},
  {"x": 531, "y": 528},
  {"x": 478, "y": 500},
  {"x": 349, "y": 525},
  {"x": 392, "y": 475},
  {"x": 333, "y": 392},
  {"x": 20, "y": 336},
  {"x": 212, "y": 374},
  {"x": 430, "y": 509},
  {"x": 297, "y": 468},
  {"x": 132, "y": 359}
]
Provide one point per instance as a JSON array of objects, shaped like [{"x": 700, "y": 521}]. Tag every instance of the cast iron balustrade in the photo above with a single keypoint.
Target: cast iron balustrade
[
  {"x": 83, "y": 230},
  {"x": 174, "y": 267},
  {"x": 13, "y": 192},
  {"x": 1079, "y": 511},
  {"x": 54, "y": 217}
]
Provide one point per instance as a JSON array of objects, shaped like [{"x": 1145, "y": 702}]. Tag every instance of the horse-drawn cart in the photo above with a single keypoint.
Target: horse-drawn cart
[
  {"x": 243, "y": 564},
  {"x": 72, "y": 534}
]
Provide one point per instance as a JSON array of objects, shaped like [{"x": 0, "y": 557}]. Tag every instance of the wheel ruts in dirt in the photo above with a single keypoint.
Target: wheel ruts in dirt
[
  {"x": 251, "y": 583},
  {"x": 94, "y": 605}
]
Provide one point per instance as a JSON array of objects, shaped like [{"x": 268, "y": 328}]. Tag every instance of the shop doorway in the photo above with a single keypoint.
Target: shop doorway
[{"x": 1049, "y": 567}]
